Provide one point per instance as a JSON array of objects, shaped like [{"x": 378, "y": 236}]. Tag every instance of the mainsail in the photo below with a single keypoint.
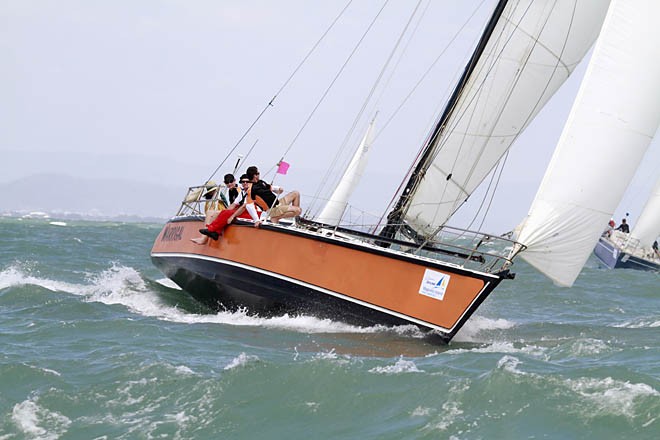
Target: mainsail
[
  {"x": 526, "y": 53},
  {"x": 647, "y": 226},
  {"x": 612, "y": 122}
]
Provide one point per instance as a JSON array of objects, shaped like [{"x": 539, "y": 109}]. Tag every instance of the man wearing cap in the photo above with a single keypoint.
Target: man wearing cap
[{"x": 263, "y": 195}]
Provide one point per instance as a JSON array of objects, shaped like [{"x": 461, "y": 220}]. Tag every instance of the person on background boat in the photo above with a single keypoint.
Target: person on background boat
[
  {"x": 610, "y": 227},
  {"x": 623, "y": 227},
  {"x": 655, "y": 249},
  {"x": 263, "y": 195}
]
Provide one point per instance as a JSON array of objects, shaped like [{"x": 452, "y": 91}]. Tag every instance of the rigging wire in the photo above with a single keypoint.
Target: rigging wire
[
  {"x": 378, "y": 100},
  {"x": 525, "y": 122},
  {"x": 357, "y": 118},
  {"x": 288, "y": 80},
  {"x": 405, "y": 100},
  {"x": 327, "y": 90},
  {"x": 460, "y": 201}
]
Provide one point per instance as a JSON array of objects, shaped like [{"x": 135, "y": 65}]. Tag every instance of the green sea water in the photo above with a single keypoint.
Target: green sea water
[{"x": 96, "y": 344}]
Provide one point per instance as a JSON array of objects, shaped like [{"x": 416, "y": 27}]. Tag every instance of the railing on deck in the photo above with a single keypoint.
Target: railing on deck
[
  {"x": 470, "y": 249},
  {"x": 197, "y": 199}
]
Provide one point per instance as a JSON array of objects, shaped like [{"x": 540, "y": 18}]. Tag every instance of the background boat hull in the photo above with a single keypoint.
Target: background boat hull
[{"x": 613, "y": 258}]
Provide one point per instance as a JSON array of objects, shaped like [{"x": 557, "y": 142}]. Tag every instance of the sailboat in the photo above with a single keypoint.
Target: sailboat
[
  {"x": 413, "y": 268},
  {"x": 639, "y": 249},
  {"x": 613, "y": 120}
]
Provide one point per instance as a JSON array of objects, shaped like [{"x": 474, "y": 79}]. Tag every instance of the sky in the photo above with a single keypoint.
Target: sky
[{"x": 161, "y": 91}]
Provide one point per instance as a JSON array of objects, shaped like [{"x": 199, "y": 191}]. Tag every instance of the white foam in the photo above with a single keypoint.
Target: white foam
[
  {"x": 57, "y": 223},
  {"x": 610, "y": 396},
  {"x": 168, "y": 283},
  {"x": 240, "y": 361},
  {"x": 30, "y": 419},
  {"x": 510, "y": 364},
  {"x": 124, "y": 285},
  {"x": 640, "y": 323},
  {"x": 421, "y": 412},
  {"x": 17, "y": 276},
  {"x": 183, "y": 370},
  {"x": 588, "y": 347},
  {"x": 501, "y": 347},
  {"x": 480, "y": 324},
  {"x": 401, "y": 366}
]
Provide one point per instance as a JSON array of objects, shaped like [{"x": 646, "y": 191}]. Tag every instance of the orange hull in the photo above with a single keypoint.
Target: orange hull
[{"x": 422, "y": 291}]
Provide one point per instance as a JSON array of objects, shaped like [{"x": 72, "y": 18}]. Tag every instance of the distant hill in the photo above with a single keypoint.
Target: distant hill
[{"x": 54, "y": 193}]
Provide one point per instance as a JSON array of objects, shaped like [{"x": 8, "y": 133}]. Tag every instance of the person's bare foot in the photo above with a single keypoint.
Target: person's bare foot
[{"x": 199, "y": 240}]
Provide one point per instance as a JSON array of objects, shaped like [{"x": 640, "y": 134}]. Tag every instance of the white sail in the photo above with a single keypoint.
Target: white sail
[
  {"x": 334, "y": 209},
  {"x": 647, "y": 227},
  {"x": 611, "y": 124},
  {"x": 533, "y": 49}
]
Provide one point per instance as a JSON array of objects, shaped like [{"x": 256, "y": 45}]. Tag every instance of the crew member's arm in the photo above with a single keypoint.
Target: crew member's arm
[{"x": 252, "y": 211}]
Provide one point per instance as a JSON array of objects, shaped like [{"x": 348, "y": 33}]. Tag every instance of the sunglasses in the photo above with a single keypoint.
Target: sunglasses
[{"x": 245, "y": 181}]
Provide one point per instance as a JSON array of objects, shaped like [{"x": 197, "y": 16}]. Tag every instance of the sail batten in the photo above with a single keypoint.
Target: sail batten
[{"x": 614, "y": 116}]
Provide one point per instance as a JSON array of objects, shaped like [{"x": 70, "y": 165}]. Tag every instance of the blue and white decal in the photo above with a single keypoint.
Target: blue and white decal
[{"x": 434, "y": 284}]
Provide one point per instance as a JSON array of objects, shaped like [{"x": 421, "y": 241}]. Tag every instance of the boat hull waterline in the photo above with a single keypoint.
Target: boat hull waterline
[{"x": 277, "y": 270}]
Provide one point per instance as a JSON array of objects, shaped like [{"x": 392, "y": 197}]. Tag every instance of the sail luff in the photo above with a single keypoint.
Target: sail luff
[{"x": 610, "y": 126}]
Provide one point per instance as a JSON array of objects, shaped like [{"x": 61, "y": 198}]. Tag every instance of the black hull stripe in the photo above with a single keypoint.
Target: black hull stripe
[{"x": 470, "y": 309}]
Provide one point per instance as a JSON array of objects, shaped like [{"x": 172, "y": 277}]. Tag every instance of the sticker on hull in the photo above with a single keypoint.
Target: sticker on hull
[{"x": 434, "y": 284}]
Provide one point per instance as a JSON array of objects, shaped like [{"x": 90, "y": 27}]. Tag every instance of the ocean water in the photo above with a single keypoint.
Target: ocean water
[{"x": 96, "y": 344}]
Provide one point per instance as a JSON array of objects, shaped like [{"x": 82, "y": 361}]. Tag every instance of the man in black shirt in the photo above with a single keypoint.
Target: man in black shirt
[
  {"x": 263, "y": 195},
  {"x": 623, "y": 227}
]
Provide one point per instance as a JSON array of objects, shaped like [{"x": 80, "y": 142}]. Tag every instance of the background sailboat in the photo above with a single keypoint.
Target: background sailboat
[
  {"x": 613, "y": 120},
  {"x": 635, "y": 250}
]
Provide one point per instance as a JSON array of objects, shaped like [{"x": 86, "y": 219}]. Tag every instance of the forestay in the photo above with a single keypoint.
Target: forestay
[
  {"x": 532, "y": 49},
  {"x": 611, "y": 124}
]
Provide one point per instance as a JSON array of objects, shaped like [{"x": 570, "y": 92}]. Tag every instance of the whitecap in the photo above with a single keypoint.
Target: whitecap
[
  {"x": 640, "y": 323},
  {"x": 240, "y": 361},
  {"x": 609, "y": 396},
  {"x": 510, "y": 364},
  {"x": 478, "y": 324},
  {"x": 588, "y": 346},
  {"x": 183, "y": 370},
  {"x": 35, "y": 421},
  {"x": 501, "y": 347},
  {"x": 57, "y": 223},
  {"x": 17, "y": 276},
  {"x": 401, "y": 366}
]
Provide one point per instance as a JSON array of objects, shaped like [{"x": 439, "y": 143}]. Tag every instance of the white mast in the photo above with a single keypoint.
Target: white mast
[
  {"x": 336, "y": 205},
  {"x": 611, "y": 124}
]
